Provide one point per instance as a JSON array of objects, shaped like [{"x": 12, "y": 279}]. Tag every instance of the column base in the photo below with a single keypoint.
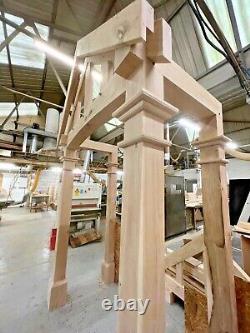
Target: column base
[
  {"x": 108, "y": 272},
  {"x": 57, "y": 295}
]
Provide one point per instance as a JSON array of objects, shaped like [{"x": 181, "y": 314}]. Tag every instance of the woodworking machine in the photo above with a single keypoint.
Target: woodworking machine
[{"x": 86, "y": 207}]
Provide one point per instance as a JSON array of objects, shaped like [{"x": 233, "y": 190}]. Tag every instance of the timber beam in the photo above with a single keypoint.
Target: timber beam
[
  {"x": 99, "y": 146},
  {"x": 128, "y": 27}
]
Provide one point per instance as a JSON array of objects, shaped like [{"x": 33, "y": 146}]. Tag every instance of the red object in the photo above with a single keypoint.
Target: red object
[{"x": 52, "y": 242}]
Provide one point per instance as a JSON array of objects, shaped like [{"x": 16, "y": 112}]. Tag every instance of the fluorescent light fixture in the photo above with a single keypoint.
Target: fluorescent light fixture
[
  {"x": 120, "y": 172},
  {"x": 68, "y": 60},
  {"x": 167, "y": 156},
  {"x": 186, "y": 123},
  {"x": 56, "y": 169},
  {"x": 77, "y": 171},
  {"x": 97, "y": 76},
  {"x": 82, "y": 67},
  {"x": 232, "y": 145},
  {"x": 8, "y": 166},
  {"x": 54, "y": 52}
]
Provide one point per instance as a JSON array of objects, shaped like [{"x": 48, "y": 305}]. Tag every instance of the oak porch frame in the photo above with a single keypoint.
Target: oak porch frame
[{"x": 144, "y": 88}]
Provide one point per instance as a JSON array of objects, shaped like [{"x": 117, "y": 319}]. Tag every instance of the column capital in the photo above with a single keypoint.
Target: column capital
[
  {"x": 69, "y": 159},
  {"x": 214, "y": 150},
  {"x": 145, "y": 102},
  {"x": 222, "y": 161},
  {"x": 220, "y": 141},
  {"x": 63, "y": 140},
  {"x": 157, "y": 143},
  {"x": 112, "y": 167},
  {"x": 111, "y": 164}
]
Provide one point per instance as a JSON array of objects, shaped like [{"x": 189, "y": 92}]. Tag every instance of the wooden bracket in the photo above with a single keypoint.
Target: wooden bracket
[
  {"x": 157, "y": 47},
  {"x": 127, "y": 60}
]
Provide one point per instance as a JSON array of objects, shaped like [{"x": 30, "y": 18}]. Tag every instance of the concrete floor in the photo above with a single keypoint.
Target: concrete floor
[{"x": 25, "y": 269}]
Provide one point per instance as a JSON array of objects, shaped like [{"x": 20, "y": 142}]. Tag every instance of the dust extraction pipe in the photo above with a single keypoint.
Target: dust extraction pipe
[
  {"x": 238, "y": 154},
  {"x": 86, "y": 156},
  {"x": 51, "y": 126},
  {"x": 36, "y": 180}
]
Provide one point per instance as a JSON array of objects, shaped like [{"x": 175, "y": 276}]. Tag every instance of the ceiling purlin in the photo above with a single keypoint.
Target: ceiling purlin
[
  {"x": 104, "y": 9},
  {"x": 51, "y": 30},
  {"x": 27, "y": 17},
  {"x": 10, "y": 66},
  {"x": 71, "y": 8}
]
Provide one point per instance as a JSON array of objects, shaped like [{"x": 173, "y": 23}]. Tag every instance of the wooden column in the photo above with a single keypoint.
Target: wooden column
[
  {"x": 142, "y": 225},
  {"x": 58, "y": 287},
  {"x": 217, "y": 233},
  {"x": 108, "y": 265},
  {"x": 245, "y": 247}
]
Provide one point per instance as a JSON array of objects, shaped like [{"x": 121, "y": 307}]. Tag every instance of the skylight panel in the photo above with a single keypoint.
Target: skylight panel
[
  {"x": 115, "y": 121},
  {"x": 25, "y": 109},
  {"x": 220, "y": 12},
  {"x": 22, "y": 50},
  {"x": 108, "y": 127},
  {"x": 242, "y": 15},
  {"x": 1, "y": 33},
  {"x": 3, "y": 54}
]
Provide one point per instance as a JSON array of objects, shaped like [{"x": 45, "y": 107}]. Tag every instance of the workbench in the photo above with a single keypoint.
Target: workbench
[{"x": 39, "y": 201}]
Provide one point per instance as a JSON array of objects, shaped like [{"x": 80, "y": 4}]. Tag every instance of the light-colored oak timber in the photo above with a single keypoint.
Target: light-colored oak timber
[
  {"x": 73, "y": 82},
  {"x": 107, "y": 69},
  {"x": 195, "y": 246},
  {"x": 185, "y": 93},
  {"x": 99, "y": 146},
  {"x": 144, "y": 98},
  {"x": 139, "y": 102},
  {"x": 88, "y": 90},
  {"x": 108, "y": 264},
  {"x": 101, "y": 111},
  {"x": 102, "y": 58},
  {"x": 127, "y": 60},
  {"x": 80, "y": 90},
  {"x": 159, "y": 45},
  {"x": 142, "y": 227},
  {"x": 217, "y": 232},
  {"x": 175, "y": 286},
  {"x": 77, "y": 115},
  {"x": 208, "y": 285},
  {"x": 125, "y": 28},
  {"x": 58, "y": 286},
  {"x": 146, "y": 77}
]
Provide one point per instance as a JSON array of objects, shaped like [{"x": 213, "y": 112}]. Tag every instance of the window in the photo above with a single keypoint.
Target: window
[
  {"x": 97, "y": 80},
  {"x": 242, "y": 15},
  {"x": 3, "y": 54},
  {"x": 115, "y": 121},
  {"x": 25, "y": 109},
  {"x": 112, "y": 124},
  {"x": 220, "y": 12},
  {"x": 22, "y": 49}
]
